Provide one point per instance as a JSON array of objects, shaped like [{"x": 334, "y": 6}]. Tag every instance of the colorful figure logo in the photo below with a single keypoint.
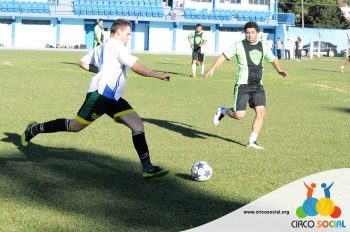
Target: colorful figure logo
[{"x": 313, "y": 206}]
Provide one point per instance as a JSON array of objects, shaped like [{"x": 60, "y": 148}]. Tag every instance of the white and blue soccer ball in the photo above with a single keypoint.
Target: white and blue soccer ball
[{"x": 201, "y": 171}]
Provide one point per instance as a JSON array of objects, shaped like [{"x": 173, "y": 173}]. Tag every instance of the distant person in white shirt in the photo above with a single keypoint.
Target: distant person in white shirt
[
  {"x": 279, "y": 46},
  {"x": 287, "y": 48},
  {"x": 104, "y": 95},
  {"x": 298, "y": 49},
  {"x": 269, "y": 43},
  {"x": 346, "y": 62}
]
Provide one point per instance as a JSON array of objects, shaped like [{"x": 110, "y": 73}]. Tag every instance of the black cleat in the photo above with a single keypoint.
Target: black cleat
[{"x": 28, "y": 134}]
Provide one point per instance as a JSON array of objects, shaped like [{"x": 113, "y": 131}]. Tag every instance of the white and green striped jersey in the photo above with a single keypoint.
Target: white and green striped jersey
[
  {"x": 112, "y": 62},
  {"x": 249, "y": 59},
  {"x": 94, "y": 56}
]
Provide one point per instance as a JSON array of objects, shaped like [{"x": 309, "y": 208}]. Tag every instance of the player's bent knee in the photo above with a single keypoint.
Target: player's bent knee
[
  {"x": 75, "y": 129},
  {"x": 76, "y": 126},
  {"x": 238, "y": 115},
  {"x": 261, "y": 113},
  {"x": 137, "y": 126}
]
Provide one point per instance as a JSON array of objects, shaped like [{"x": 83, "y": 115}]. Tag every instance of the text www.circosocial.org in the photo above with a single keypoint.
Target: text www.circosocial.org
[{"x": 285, "y": 212}]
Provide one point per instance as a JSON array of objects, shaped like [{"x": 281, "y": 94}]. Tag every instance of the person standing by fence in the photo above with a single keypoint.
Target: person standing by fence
[
  {"x": 287, "y": 48},
  {"x": 279, "y": 46}
]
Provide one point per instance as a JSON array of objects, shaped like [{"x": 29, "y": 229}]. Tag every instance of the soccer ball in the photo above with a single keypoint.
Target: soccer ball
[{"x": 201, "y": 171}]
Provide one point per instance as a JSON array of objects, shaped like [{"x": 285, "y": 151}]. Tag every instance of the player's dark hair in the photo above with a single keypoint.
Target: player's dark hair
[
  {"x": 120, "y": 24},
  {"x": 99, "y": 20},
  {"x": 251, "y": 24},
  {"x": 198, "y": 25}
]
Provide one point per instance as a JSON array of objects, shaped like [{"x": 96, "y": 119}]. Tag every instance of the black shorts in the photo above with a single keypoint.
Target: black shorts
[
  {"x": 198, "y": 55},
  {"x": 95, "y": 105},
  {"x": 254, "y": 95}
]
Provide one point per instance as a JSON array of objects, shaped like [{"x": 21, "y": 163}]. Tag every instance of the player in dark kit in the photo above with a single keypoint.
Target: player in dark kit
[
  {"x": 249, "y": 89},
  {"x": 197, "y": 41}
]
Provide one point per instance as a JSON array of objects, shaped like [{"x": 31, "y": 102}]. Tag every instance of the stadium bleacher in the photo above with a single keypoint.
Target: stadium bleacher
[
  {"x": 148, "y": 8},
  {"x": 133, "y": 8},
  {"x": 25, "y": 7},
  {"x": 221, "y": 14}
]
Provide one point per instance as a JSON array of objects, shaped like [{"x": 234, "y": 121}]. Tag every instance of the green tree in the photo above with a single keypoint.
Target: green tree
[
  {"x": 326, "y": 17},
  {"x": 317, "y": 13}
]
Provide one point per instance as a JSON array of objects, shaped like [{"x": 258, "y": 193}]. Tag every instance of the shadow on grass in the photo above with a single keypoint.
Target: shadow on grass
[
  {"x": 343, "y": 110},
  {"x": 189, "y": 62},
  {"x": 106, "y": 189},
  {"x": 71, "y": 63},
  {"x": 170, "y": 72},
  {"x": 323, "y": 70},
  {"x": 184, "y": 176},
  {"x": 186, "y": 130}
]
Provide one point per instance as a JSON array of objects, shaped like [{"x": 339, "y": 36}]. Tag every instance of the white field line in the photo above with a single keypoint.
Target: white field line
[
  {"x": 7, "y": 63},
  {"x": 330, "y": 87}
]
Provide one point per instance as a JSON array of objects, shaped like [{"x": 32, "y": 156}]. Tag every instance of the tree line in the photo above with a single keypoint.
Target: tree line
[{"x": 317, "y": 13}]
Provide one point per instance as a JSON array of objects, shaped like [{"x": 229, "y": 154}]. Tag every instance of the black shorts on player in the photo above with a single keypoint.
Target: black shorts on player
[
  {"x": 254, "y": 95},
  {"x": 95, "y": 105},
  {"x": 198, "y": 55}
]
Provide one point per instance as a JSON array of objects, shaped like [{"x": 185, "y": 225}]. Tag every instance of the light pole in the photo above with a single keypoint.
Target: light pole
[{"x": 302, "y": 13}]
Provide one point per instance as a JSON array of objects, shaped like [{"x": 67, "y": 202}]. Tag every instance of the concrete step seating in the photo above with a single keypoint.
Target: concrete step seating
[
  {"x": 227, "y": 15},
  {"x": 145, "y": 8},
  {"x": 34, "y": 7}
]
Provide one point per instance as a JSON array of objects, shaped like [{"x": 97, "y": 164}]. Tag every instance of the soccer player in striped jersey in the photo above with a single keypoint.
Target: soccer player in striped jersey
[
  {"x": 104, "y": 95},
  {"x": 249, "y": 54},
  {"x": 198, "y": 42}
]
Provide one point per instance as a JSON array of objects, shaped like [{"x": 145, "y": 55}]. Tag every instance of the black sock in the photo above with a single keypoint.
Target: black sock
[
  {"x": 139, "y": 140},
  {"x": 61, "y": 124}
]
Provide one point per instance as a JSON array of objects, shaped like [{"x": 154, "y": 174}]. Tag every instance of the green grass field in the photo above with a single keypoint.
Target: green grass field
[{"x": 91, "y": 181}]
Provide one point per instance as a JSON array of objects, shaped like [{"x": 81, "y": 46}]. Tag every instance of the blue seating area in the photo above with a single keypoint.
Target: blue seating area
[
  {"x": 144, "y": 8},
  {"x": 25, "y": 7},
  {"x": 286, "y": 18},
  {"x": 220, "y": 14}
]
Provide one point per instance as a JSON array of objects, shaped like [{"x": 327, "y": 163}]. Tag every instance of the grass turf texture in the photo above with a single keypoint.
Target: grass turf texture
[{"x": 91, "y": 181}]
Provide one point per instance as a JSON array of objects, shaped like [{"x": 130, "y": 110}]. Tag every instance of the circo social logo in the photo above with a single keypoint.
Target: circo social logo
[{"x": 323, "y": 206}]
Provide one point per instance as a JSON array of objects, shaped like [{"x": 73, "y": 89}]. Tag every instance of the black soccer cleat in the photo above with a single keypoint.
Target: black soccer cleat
[
  {"x": 28, "y": 134},
  {"x": 154, "y": 171},
  {"x": 218, "y": 116}
]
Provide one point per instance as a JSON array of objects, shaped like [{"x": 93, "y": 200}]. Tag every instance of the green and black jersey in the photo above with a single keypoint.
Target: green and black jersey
[
  {"x": 98, "y": 30},
  {"x": 198, "y": 40},
  {"x": 250, "y": 61}
]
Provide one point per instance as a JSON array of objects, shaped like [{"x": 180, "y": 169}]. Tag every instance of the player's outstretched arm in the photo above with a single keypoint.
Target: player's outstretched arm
[
  {"x": 89, "y": 61},
  {"x": 190, "y": 42},
  {"x": 146, "y": 72},
  {"x": 190, "y": 39},
  {"x": 277, "y": 66},
  {"x": 218, "y": 61},
  {"x": 88, "y": 67}
]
